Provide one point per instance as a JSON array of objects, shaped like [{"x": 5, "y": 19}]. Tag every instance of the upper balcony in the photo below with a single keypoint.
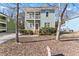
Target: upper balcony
[
  {"x": 3, "y": 27},
  {"x": 32, "y": 15},
  {"x": 2, "y": 21},
  {"x": 37, "y": 16}
]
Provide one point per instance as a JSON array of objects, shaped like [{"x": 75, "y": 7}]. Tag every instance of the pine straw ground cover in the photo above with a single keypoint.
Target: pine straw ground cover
[{"x": 36, "y": 46}]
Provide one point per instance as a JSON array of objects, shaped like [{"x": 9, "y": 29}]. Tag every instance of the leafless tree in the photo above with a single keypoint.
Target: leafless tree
[{"x": 59, "y": 23}]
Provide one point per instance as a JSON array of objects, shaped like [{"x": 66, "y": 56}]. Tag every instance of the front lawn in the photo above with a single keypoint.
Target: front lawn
[{"x": 36, "y": 46}]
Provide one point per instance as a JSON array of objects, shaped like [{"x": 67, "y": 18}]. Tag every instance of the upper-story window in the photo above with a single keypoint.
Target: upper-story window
[
  {"x": 37, "y": 15},
  {"x": 47, "y": 14},
  {"x": 30, "y": 14}
]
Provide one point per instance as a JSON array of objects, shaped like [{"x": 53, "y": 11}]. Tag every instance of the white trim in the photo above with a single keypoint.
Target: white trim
[
  {"x": 3, "y": 22},
  {"x": 3, "y": 29},
  {"x": 34, "y": 21}
]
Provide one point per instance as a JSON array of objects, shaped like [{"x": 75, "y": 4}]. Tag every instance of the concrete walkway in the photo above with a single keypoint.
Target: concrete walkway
[
  {"x": 4, "y": 38},
  {"x": 8, "y": 36}
]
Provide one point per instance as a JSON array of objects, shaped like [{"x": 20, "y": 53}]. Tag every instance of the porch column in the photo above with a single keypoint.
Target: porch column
[{"x": 34, "y": 21}]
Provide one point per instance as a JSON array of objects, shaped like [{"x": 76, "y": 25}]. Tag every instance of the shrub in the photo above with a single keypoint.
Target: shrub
[
  {"x": 26, "y": 32},
  {"x": 30, "y": 32},
  {"x": 47, "y": 31}
]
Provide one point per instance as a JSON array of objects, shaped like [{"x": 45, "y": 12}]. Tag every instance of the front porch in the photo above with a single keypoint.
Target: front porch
[{"x": 33, "y": 25}]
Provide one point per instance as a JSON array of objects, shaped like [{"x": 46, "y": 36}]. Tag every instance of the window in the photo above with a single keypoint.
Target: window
[
  {"x": 37, "y": 15},
  {"x": 46, "y": 14},
  {"x": 47, "y": 24},
  {"x": 30, "y": 14},
  {"x": 31, "y": 25}
]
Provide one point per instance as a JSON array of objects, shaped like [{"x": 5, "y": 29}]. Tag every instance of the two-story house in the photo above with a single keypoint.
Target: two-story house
[
  {"x": 6, "y": 23},
  {"x": 3, "y": 22},
  {"x": 37, "y": 17}
]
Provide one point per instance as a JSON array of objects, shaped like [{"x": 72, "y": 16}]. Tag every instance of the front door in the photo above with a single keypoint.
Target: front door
[{"x": 36, "y": 26}]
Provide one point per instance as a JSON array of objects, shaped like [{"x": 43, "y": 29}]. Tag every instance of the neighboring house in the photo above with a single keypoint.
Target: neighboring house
[
  {"x": 6, "y": 23},
  {"x": 66, "y": 30},
  {"x": 3, "y": 22},
  {"x": 38, "y": 17}
]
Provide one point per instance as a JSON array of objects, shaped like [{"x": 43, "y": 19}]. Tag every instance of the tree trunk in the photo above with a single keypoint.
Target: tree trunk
[
  {"x": 58, "y": 30},
  {"x": 59, "y": 23},
  {"x": 17, "y": 38}
]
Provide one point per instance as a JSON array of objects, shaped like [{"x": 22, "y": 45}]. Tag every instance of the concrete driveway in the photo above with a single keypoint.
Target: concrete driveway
[
  {"x": 2, "y": 34},
  {"x": 6, "y": 36}
]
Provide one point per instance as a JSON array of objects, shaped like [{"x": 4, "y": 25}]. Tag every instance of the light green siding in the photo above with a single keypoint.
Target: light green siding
[{"x": 3, "y": 23}]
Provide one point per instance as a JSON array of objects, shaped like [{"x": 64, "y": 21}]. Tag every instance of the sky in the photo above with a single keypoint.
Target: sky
[{"x": 72, "y": 24}]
